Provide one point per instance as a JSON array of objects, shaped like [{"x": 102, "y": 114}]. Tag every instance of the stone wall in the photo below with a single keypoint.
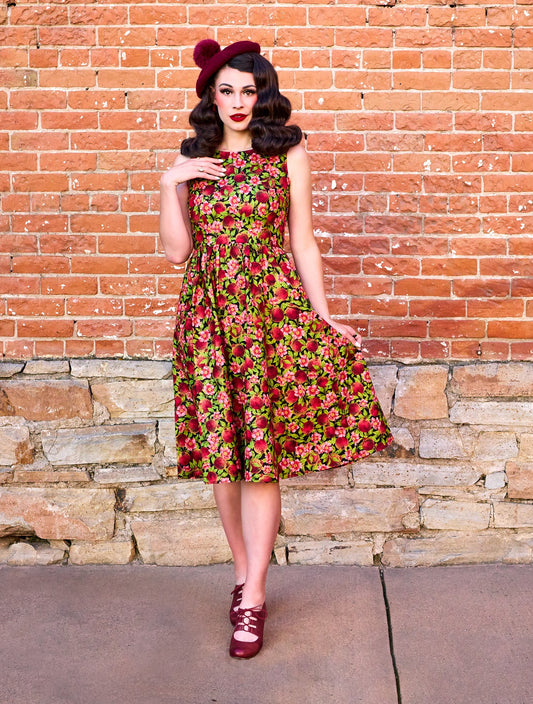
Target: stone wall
[{"x": 87, "y": 472}]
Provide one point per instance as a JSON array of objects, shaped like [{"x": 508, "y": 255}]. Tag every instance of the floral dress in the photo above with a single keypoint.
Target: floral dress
[{"x": 264, "y": 387}]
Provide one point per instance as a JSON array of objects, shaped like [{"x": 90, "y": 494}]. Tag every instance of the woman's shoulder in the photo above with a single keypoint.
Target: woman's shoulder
[
  {"x": 297, "y": 158},
  {"x": 180, "y": 159}
]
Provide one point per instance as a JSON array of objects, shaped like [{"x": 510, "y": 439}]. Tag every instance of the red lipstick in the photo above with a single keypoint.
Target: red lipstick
[{"x": 238, "y": 117}]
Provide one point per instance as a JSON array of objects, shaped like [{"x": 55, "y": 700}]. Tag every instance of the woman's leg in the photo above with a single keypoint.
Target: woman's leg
[
  {"x": 261, "y": 513},
  {"x": 228, "y": 500}
]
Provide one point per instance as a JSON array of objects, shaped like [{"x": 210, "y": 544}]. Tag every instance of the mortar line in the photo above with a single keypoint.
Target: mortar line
[{"x": 391, "y": 641}]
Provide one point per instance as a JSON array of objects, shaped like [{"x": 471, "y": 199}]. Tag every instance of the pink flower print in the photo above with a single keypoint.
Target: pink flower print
[
  {"x": 205, "y": 372},
  {"x": 209, "y": 389}
]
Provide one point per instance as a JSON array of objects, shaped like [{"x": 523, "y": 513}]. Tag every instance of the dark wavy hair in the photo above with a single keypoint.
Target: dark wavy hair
[{"x": 270, "y": 133}]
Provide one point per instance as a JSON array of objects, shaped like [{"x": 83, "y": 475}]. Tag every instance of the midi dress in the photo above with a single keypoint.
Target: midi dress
[{"x": 265, "y": 389}]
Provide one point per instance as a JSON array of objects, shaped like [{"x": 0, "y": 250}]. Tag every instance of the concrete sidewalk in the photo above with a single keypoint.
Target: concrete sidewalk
[{"x": 141, "y": 634}]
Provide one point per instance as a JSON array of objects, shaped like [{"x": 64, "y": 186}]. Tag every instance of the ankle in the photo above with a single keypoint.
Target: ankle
[{"x": 252, "y": 599}]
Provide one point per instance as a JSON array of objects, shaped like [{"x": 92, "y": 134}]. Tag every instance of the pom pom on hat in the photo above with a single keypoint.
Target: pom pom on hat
[
  {"x": 210, "y": 58},
  {"x": 204, "y": 51}
]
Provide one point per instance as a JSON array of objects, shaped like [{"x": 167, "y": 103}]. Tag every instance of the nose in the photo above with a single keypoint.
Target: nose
[{"x": 237, "y": 100}]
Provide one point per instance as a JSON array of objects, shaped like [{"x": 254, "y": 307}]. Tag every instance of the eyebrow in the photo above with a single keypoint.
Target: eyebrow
[{"x": 251, "y": 85}]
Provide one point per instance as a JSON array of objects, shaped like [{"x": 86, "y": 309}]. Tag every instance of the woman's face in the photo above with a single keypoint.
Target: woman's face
[{"x": 235, "y": 97}]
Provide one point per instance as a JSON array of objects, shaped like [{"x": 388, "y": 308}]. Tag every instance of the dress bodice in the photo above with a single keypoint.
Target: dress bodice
[{"x": 249, "y": 204}]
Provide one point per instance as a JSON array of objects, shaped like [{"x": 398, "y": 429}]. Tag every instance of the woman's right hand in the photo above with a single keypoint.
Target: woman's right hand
[{"x": 185, "y": 169}]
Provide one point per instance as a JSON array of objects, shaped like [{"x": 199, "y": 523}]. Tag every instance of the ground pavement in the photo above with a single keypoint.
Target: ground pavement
[{"x": 142, "y": 634}]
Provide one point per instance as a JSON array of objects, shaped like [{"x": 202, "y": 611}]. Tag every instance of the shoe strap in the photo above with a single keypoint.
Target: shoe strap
[{"x": 248, "y": 619}]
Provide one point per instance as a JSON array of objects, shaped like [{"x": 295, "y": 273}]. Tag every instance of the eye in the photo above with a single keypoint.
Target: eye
[
  {"x": 250, "y": 92},
  {"x": 225, "y": 91}
]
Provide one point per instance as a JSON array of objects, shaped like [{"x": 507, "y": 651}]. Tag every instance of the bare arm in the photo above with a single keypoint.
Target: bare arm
[
  {"x": 304, "y": 248},
  {"x": 174, "y": 223}
]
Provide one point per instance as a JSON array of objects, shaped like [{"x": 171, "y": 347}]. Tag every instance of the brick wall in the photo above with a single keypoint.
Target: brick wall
[{"x": 418, "y": 120}]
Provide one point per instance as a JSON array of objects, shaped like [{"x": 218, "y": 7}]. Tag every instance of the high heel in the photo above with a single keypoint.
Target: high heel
[
  {"x": 235, "y": 601},
  {"x": 250, "y": 621}
]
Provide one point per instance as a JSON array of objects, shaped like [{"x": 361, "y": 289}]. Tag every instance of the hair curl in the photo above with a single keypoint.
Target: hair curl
[{"x": 270, "y": 133}]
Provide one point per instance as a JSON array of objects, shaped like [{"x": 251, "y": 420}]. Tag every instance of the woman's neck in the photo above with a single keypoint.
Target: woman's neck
[{"x": 236, "y": 142}]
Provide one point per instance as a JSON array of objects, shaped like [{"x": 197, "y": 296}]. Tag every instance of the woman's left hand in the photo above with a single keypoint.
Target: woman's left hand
[{"x": 346, "y": 330}]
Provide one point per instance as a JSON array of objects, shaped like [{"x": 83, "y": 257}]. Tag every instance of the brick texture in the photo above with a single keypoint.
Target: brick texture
[{"x": 418, "y": 121}]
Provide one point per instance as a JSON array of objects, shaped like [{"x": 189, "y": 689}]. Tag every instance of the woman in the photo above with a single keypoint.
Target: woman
[{"x": 267, "y": 384}]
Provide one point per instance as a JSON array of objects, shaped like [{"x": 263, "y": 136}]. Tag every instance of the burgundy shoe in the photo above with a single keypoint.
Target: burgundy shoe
[
  {"x": 251, "y": 621},
  {"x": 236, "y": 600}
]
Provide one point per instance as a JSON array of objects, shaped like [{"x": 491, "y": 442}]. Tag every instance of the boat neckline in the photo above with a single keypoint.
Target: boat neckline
[{"x": 233, "y": 151}]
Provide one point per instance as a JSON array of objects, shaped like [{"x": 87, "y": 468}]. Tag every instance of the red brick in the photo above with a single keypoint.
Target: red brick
[
  {"x": 361, "y": 245},
  {"x": 31, "y": 264},
  {"x": 465, "y": 349},
  {"x": 69, "y": 120},
  {"x": 88, "y": 222},
  {"x": 393, "y": 266},
  {"x": 40, "y": 182},
  {"x": 99, "y": 181},
  {"x": 20, "y": 285},
  {"x": 522, "y": 287},
  {"x": 434, "y": 349},
  {"x": 367, "y": 307},
  {"x": 505, "y": 267},
  {"x": 481, "y": 288},
  {"x": 96, "y": 100},
  {"x": 141, "y": 349},
  {"x": 43, "y": 58},
  {"x": 15, "y": 244},
  {"x": 510, "y": 329},
  {"x": 79, "y": 348},
  {"x": 363, "y": 37},
  {"x": 439, "y": 288},
  {"x": 452, "y": 266},
  {"x": 20, "y": 120},
  {"x": 74, "y": 57},
  {"x": 35, "y": 306},
  {"x": 494, "y": 351},
  {"x": 127, "y": 286},
  {"x": 45, "y": 328},
  {"x": 103, "y": 328},
  {"x": 154, "y": 327},
  {"x": 21, "y": 141},
  {"x": 145, "y": 14},
  {"x": 439, "y": 308},
  {"x": 521, "y": 350},
  {"x": 457, "y": 328},
  {"x": 499, "y": 308},
  {"x": 397, "y": 16},
  {"x": 69, "y": 285},
  {"x": 94, "y": 306},
  {"x": 113, "y": 244},
  {"x": 477, "y": 246},
  {"x": 398, "y": 328},
  {"x": 104, "y": 57},
  {"x": 404, "y": 349},
  {"x": 108, "y": 348},
  {"x": 36, "y": 15}
]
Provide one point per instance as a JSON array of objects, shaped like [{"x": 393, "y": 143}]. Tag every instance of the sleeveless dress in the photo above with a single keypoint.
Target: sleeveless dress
[{"x": 264, "y": 387}]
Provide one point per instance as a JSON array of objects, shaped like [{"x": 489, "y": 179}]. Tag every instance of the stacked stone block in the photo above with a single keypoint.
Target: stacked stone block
[{"x": 88, "y": 475}]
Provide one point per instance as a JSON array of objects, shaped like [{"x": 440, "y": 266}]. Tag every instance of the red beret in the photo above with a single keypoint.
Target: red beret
[{"x": 210, "y": 58}]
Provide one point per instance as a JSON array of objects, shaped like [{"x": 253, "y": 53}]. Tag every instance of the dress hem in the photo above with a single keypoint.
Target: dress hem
[{"x": 268, "y": 478}]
